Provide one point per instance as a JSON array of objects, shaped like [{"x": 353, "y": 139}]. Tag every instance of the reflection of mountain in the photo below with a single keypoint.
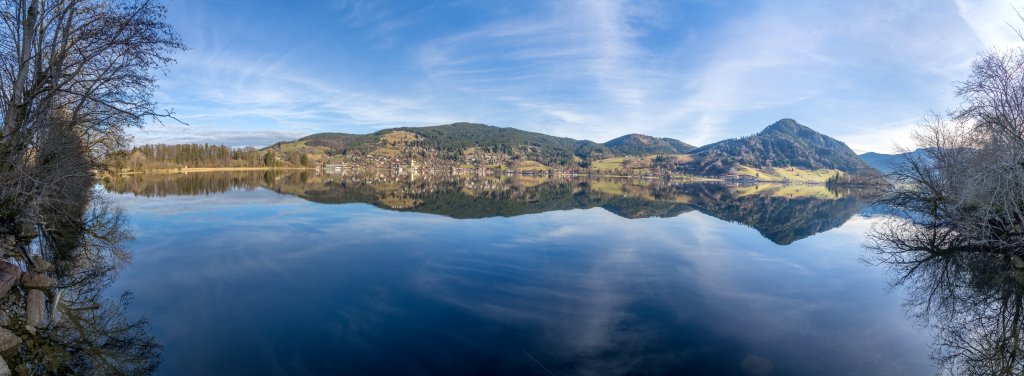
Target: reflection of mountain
[
  {"x": 782, "y": 220},
  {"x": 493, "y": 199},
  {"x": 783, "y": 214}
]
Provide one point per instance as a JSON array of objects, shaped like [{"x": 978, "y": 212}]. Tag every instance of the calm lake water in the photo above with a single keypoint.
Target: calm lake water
[{"x": 298, "y": 274}]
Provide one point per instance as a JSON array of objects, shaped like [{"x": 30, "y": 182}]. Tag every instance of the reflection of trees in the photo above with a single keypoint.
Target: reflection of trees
[
  {"x": 94, "y": 336},
  {"x": 76, "y": 75},
  {"x": 160, "y": 185},
  {"x": 957, "y": 237},
  {"x": 779, "y": 216},
  {"x": 972, "y": 298},
  {"x": 83, "y": 331}
]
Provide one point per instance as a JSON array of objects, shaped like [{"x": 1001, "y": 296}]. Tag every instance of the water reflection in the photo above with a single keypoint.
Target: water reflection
[
  {"x": 972, "y": 297},
  {"x": 254, "y": 282},
  {"x": 781, "y": 213},
  {"x": 57, "y": 319}
]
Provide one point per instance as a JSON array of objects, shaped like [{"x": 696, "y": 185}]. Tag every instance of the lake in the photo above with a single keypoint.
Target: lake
[{"x": 306, "y": 274}]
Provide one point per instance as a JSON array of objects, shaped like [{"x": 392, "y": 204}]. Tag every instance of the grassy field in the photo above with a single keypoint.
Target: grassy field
[
  {"x": 382, "y": 152},
  {"x": 787, "y": 174},
  {"x": 289, "y": 147},
  {"x": 608, "y": 163},
  {"x": 400, "y": 137},
  {"x": 530, "y": 166},
  {"x": 637, "y": 165}
]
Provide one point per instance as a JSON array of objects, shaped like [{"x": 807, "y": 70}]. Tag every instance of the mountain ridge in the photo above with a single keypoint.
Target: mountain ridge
[
  {"x": 887, "y": 163},
  {"x": 783, "y": 151},
  {"x": 785, "y": 143},
  {"x": 640, "y": 144}
]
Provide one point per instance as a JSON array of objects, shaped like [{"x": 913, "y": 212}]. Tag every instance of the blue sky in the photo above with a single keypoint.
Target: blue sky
[{"x": 864, "y": 72}]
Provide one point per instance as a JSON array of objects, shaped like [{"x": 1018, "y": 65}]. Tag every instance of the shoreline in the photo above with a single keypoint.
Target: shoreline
[
  {"x": 684, "y": 178},
  {"x": 695, "y": 179},
  {"x": 209, "y": 169}
]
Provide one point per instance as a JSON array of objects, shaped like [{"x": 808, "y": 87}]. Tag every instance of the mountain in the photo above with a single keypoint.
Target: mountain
[
  {"x": 881, "y": 162},
  {"x": 783, "y": 151},
  {"x": 455, "y": 141},
  {"x": 638, "y": 144},
  {"x": 783, "y": 144},
  {"x": 452, "y": 140},
  {"x": 886, "y": 163}
]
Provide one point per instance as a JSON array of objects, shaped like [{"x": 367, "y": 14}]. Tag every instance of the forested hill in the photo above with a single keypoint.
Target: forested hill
[
  {"x": 452, "y": 140},
  {"x": 638, "y": 144},
  {"x": 784, "y": 143}
]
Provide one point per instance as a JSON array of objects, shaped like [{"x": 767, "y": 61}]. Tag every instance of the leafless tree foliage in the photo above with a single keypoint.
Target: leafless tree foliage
[
  {"x": 970, "y": 178},
  {"x": 74, "y": 74},
  {"x": 87, "y": 332},
  {"x": 972, "y": 301},
  {"x": 956, "y": 233}
]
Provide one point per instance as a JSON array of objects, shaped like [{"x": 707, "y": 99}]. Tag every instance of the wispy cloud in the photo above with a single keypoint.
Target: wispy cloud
[
  {"x": 183, "y": 134},
  {"x": 235, "y": 95},
  {"x": 697, "y": 71},
  {"x": 577, "y": 67},
  {"x": 993, "y": 22},
  {"x": 842, "y": 68}
]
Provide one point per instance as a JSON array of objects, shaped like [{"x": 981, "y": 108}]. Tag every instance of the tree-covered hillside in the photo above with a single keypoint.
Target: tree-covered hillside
[
  {"x": 452, "y": 140},
  {"x": 782, "y": 144},
  {"x": 341, "y": 141},
  {"x": 533, "y": 146},
  {"x": 160, "y": 156},
  {"x": 780, "y": 150},
  {"x": 638, "y": 144}
]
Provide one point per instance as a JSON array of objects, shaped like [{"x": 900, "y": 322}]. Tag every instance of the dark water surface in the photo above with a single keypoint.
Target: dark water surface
[{"x": 301, "y": 274}]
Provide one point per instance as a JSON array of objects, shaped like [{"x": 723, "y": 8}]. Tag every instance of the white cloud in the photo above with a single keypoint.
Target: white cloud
[
  {"x": 882, "y": 138},
  {"x": 993, "y": 21},
  {"x": 851, "y": 70},
  {"x": 576, "y": 68},
  {"x": 767, "y": 61},
  {"x": 182, "y": 134},
  {"x": 600, "y": 69},
  {"x": 224, "y": 95}
]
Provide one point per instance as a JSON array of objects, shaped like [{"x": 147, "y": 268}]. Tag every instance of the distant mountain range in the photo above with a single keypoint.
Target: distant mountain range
[
  {"x": 784, "y": 144},
  {"x": 886, "y": 163}
]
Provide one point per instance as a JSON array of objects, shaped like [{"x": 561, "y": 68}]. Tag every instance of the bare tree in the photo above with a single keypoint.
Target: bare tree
[
  {"x": 74, "y": 75},
  {"x": 970, "y": 176},
  {"x": 72, "y": 72},
  {"x": 956, "y": 233}
]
